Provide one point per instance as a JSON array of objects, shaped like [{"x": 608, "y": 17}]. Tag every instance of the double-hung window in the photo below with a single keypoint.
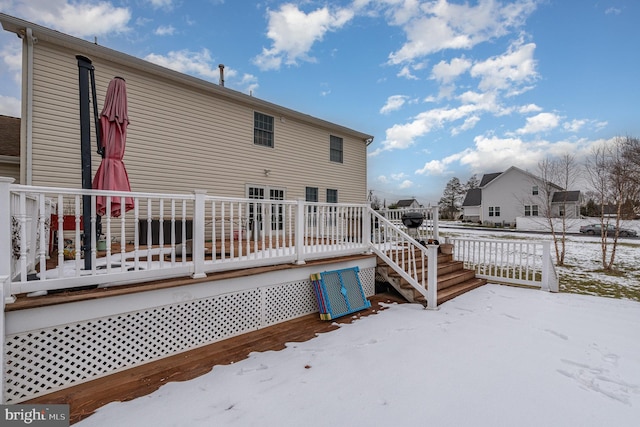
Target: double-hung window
[
  {"x": 335, "y": 149},
  {"x": 332, "y": 196},
  {"x": 530, "y": 210},
  {"x": 262, "y": 129},
  {"x": 494, "y": 210}
]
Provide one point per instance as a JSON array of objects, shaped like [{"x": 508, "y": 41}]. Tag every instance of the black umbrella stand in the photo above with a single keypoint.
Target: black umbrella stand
[{"x": 86, "y": 71}]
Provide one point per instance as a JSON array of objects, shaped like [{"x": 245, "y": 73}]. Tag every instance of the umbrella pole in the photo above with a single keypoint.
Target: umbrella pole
[{"x": 84, "y": 67}]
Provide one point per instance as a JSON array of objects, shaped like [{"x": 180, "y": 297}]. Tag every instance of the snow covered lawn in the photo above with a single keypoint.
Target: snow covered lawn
[{"x": 497, "y": 356}]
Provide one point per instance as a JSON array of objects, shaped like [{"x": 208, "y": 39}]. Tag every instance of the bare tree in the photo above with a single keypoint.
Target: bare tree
[
  {"x": 613, "y": 176},
  {"x": 558, "y": 175}
]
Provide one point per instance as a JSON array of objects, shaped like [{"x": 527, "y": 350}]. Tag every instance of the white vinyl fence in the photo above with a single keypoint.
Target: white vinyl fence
[{"x": 509, "y": 261}]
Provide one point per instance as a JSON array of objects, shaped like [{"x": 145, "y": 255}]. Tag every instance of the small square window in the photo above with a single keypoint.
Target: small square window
[
  {"x": 311, "y": 194},
  {"x": 332, "y": 196},
  {"x": 335, "y": 150},
  {"x": 262, "y": 129}
]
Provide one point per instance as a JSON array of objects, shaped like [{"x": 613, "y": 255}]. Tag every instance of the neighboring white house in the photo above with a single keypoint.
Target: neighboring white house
[
  {"x": 504, "y": 196},
  {"x": 408, "y": 204}
]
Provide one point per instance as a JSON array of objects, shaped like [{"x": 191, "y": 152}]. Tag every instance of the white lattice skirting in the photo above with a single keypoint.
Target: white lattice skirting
[{"x": 59, "y": 346}]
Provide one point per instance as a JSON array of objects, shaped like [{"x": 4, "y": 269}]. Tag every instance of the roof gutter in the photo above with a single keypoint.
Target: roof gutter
[{"x": 26, "y": 121}]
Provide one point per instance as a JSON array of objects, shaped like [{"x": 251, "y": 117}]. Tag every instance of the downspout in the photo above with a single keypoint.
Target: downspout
[{"x": 26, "y": 170}]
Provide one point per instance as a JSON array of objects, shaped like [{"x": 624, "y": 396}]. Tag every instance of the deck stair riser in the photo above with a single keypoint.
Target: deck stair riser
[{"x": 453, "y": 278}]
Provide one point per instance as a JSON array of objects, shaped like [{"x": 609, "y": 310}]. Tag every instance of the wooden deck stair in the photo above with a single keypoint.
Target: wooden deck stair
[{"x": 453, "y": 279}]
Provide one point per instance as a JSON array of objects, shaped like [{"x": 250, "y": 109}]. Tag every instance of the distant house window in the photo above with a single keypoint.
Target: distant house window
[
  {"x": 561, "y": 211},
  {"x": 335, "y": 149},
  {"x": 332, "y": 196},
  {"x": 494, "y": 210},
  {"x": 262, "y": 129},
  {"x": 534, "y": 190},
  {"x": 311, "y": 194},
  {"x": 531, "y": 210}
]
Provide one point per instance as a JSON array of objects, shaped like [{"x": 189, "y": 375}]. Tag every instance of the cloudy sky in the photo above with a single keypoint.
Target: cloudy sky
[{"x": 449, "y": 88}]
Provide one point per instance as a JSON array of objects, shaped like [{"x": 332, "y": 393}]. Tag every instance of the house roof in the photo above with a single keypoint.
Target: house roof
[
  {"x": 404, "y": 203},
  {"x": 566, "y": 196},
  {"x": 473, "y": 197},
  {"x": 93, "y": 50},
  {"x": 488, "y": 177},
  {"x": 9, "y": 136},
  {"x": 491, "y": 177}
]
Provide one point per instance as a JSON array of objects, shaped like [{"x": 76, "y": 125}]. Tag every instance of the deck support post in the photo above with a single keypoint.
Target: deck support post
[
  {"x": 5, "y": 226},
  {"x": 299, "y": 232},
  {"x": 367, "y": 229},
  {"x": 432, "y": 277},
  {"x": 198, "y": 235},
  {"x": 435, "y": 213},
  {"x": 546, "y": 268}
]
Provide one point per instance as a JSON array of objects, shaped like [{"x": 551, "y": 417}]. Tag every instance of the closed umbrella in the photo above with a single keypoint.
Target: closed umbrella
[{"x": 112, "y": 174}]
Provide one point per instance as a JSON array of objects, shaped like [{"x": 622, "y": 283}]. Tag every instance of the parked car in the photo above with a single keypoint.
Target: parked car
[{"x": 596, "y": 229}]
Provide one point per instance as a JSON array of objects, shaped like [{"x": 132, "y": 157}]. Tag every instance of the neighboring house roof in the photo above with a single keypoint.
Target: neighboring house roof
[
  {"x": 9, "y": 136},
  {"x": 488, "y": 177},
  {"x": 565, "y": 196},
  {"x": 405, "y": 203},
  {"x": 473, "y": 197},
  {"x": 491, "y": 177}
]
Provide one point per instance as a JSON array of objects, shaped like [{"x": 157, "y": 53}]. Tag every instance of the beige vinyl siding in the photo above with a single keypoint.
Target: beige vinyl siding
[{"x": 182, "y": 137}]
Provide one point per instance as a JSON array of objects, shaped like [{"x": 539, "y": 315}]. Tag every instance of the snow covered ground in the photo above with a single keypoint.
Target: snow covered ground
[{"x": 497, "y": 356}]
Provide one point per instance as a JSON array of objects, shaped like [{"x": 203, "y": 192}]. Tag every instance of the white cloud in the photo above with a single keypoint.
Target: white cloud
[
  {"x": 446, "y": 72},
  {"x": 11, "y": 55},
  {"x": 469, "y": 123},
  {"x": 383, "y": 179},
  {"x": 188, "y": 62},
  {"x": 438, "y": 25},
  {"x": 83, "y": 18},
  {"x": 398, "y": 176},
  {"x": 394, "y": 102},
  {"x": 248, "y": 83},
  {"x": 433, "y": 167},
  {"x": 165, "y": 30},
  {"x": 574, "y": 125},
  {"x": 10, "y": 106},
  {"x": 540, "y": 123},
  {"x": 401, "y": 136},
  {"x": 167, "y": 4},
  {"x": 494, "y": 153},
  {"x": 406, "y": 73},
  {"x": 293, "y": 33},
  {"x": 529, "y": 108},
  {"x": 405, "y": 184},
  {"x": 516, "y": 67}
]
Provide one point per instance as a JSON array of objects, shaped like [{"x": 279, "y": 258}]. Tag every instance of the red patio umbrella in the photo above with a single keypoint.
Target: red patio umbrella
[{"x": 112, "y": 174}]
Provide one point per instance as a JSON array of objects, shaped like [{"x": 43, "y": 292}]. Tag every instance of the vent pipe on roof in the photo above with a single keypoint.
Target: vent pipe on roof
[{"x": 221, "y": 66}]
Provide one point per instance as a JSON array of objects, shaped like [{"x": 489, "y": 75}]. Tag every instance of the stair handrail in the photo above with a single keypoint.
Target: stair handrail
[{"x": 389, "y": 239}]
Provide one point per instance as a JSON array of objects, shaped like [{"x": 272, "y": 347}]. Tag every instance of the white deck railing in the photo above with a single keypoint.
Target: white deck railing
[
  {"x": 412, "y": 261},
  {"x": 173, "y": 235},
  {"x": 163, "y": 236},
  {"x": 509, "y": 261},
  {"x": 429, "y": 229}
]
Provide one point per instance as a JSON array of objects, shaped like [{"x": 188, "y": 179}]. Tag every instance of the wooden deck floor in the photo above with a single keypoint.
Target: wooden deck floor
[{"x": 85, "y": 398}]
